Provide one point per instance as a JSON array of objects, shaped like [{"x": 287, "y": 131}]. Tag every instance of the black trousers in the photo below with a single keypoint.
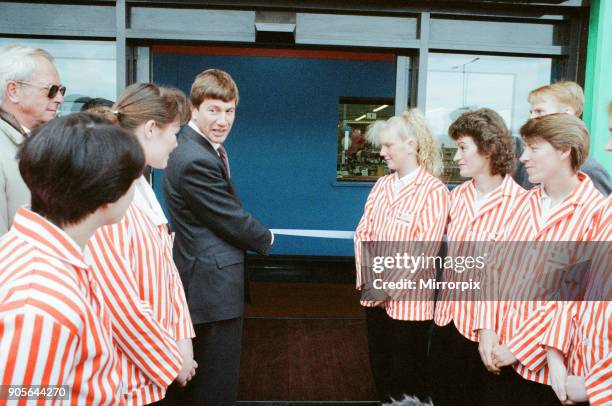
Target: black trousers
[
  {"x": 216, "y": 349},
  {"x": 511, "y": 389},
  {"x": 398, "y": 355},
  {"x": 456, "y": 371}
]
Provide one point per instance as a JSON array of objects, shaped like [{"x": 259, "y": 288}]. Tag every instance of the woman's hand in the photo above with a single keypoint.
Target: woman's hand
[
  {"x": 558, "y": 374},
  {"x": 502, "y": 356},
  {"x": 575, "y": 387},
  {"x": 487, "y": 340},
  {"x": 188, "y": 369}
]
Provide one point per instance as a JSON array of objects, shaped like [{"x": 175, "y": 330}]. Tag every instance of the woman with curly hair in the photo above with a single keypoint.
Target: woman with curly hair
[
  {"x": 480, "y": 209},
  {"x": 405, "y": 209}
]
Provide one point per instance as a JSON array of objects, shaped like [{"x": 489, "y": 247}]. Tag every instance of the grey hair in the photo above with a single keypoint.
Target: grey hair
[
  {"x": 408, "y": 401},
  {"x": 17, "y": 62}
]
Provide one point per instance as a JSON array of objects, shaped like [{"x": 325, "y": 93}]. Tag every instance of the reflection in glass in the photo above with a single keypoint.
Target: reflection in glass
[
  {"x": 358, "y": 160},
  {"x": 460, "y": 82},
  {"x": 86, "y": 68}
]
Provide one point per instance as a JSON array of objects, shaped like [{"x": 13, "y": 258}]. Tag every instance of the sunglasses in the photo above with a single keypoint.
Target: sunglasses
[{"x": 51, "y": 90}]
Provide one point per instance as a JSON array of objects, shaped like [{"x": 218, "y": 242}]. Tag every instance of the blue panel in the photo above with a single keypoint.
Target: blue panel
[{"x": 282, "y": 149}]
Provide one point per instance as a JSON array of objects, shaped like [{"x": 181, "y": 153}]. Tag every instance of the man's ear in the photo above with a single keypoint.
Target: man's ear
[
  {"x": 11, "y": 92},
  {"x": 569, "y": 110}
]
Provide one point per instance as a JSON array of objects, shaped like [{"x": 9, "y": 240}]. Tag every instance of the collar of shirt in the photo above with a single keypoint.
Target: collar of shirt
[
  {"x": 47, "y": 237},
  {"x": 196, "y": 129},
  {"x": 546, "y": 203},
  {"x": 481, "y": 199},
  {"x": 146, "y": 201},
  {"x": 12, "y": 122},
  {"x": 404, "y": 180}
]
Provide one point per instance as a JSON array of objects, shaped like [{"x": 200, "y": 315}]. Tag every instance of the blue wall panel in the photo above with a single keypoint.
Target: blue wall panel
[{"x": 282, "y": 148}]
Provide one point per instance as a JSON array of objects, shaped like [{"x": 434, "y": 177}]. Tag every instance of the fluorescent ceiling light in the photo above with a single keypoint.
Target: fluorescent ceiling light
[
  {"x": 360, "y": 118},
  {"x": 384, "y": 106}
]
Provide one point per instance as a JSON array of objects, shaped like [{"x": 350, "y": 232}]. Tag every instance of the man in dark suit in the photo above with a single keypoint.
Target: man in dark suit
[{"x": 212, "y": 233}]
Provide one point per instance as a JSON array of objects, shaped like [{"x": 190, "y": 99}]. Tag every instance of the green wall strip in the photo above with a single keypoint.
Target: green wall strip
[{"x": 598, "y": 84}]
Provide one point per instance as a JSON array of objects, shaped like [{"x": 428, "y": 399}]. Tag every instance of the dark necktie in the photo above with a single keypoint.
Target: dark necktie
[{"x": 223, "y": 155}]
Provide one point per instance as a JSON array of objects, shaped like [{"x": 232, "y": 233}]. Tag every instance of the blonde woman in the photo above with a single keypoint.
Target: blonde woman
[{"x": 409, "y": 205}]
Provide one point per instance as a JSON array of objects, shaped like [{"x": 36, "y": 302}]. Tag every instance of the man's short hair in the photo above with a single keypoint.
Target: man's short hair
[
  {"x": 75, "y": 164},
  {"x": 565, "y": 92},
  {"x": 491, "y": 136},
  {"x": 96, "y": 103},
  {"x": 18, "y": 62},
  {"x": 213, "y": 84},
  {"x": 610, "y": 109},
  {"x": 562, "y": 131}
]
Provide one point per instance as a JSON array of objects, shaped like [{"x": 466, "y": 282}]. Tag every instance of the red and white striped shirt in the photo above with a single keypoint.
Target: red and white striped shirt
[
  {"x": 574, "y": 219},
  {"x": 582, "y": 330},
  {"x": 54, "y": 327},
  {"x": 418, "y": 212},
  {"x": 599, "y": 382},
  {"x": 143, "y": 290},
  {"x": 467, "y": 223}
]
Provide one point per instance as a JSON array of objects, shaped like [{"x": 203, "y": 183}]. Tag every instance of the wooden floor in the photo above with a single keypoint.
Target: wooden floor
[{"x": 305, "y": 342}]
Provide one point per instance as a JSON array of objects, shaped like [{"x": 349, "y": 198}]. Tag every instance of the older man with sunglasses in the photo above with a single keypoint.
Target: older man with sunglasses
[{"x": 31, "y": 94}]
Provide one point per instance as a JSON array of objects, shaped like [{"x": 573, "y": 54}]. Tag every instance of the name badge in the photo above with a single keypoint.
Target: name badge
[{"x": 405, "y": 217}]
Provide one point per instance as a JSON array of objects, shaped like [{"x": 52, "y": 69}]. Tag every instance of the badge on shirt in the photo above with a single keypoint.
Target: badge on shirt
[{"x": 405, "y": 217}]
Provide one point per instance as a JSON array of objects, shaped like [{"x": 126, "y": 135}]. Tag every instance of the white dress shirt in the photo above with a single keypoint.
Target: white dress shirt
[
  {"x": 481, "y": 199},
  {"x": 547, "y": 206},
  {"x": 404, "y": 180},
  {"x": 195, "y": 128},
  {"x": 146, "y": 201}
]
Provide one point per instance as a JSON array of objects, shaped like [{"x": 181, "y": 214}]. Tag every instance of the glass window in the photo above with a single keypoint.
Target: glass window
[
  {"x": 86, "y": 68},
  {"x": 358, "y": 160},
  {"x": 460, "y": 82}
]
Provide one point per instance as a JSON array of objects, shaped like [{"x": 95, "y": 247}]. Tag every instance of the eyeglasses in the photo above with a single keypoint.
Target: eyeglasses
[{"x": 51, "y": 89}]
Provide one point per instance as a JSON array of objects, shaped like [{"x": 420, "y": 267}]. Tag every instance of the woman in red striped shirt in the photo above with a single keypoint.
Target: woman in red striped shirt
[
  {"x": 480, "y": 209},
  {"x": 55, "y": 330},
  {"x": 409, "y": 206},
  {"x": 133, "y": 259},
  {"x": 565, "y": 207},
  {"x": 579, "y": 339}
]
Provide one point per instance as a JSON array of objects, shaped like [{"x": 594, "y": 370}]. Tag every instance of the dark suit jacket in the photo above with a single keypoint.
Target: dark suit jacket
[{"x": 212, "y": 230}]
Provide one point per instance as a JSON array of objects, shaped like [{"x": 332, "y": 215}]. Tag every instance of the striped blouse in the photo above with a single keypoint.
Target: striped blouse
[
  {"x": 599, "y": 382},
  {"x": 574, "y": 219},
  {"x": 468, "y": 224},
  {"x": 582, "y": 330},
  {"x": 417, "y": 212},
  {"x": 54, "y": 327},
  {"x": 143, "y": 290}
]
